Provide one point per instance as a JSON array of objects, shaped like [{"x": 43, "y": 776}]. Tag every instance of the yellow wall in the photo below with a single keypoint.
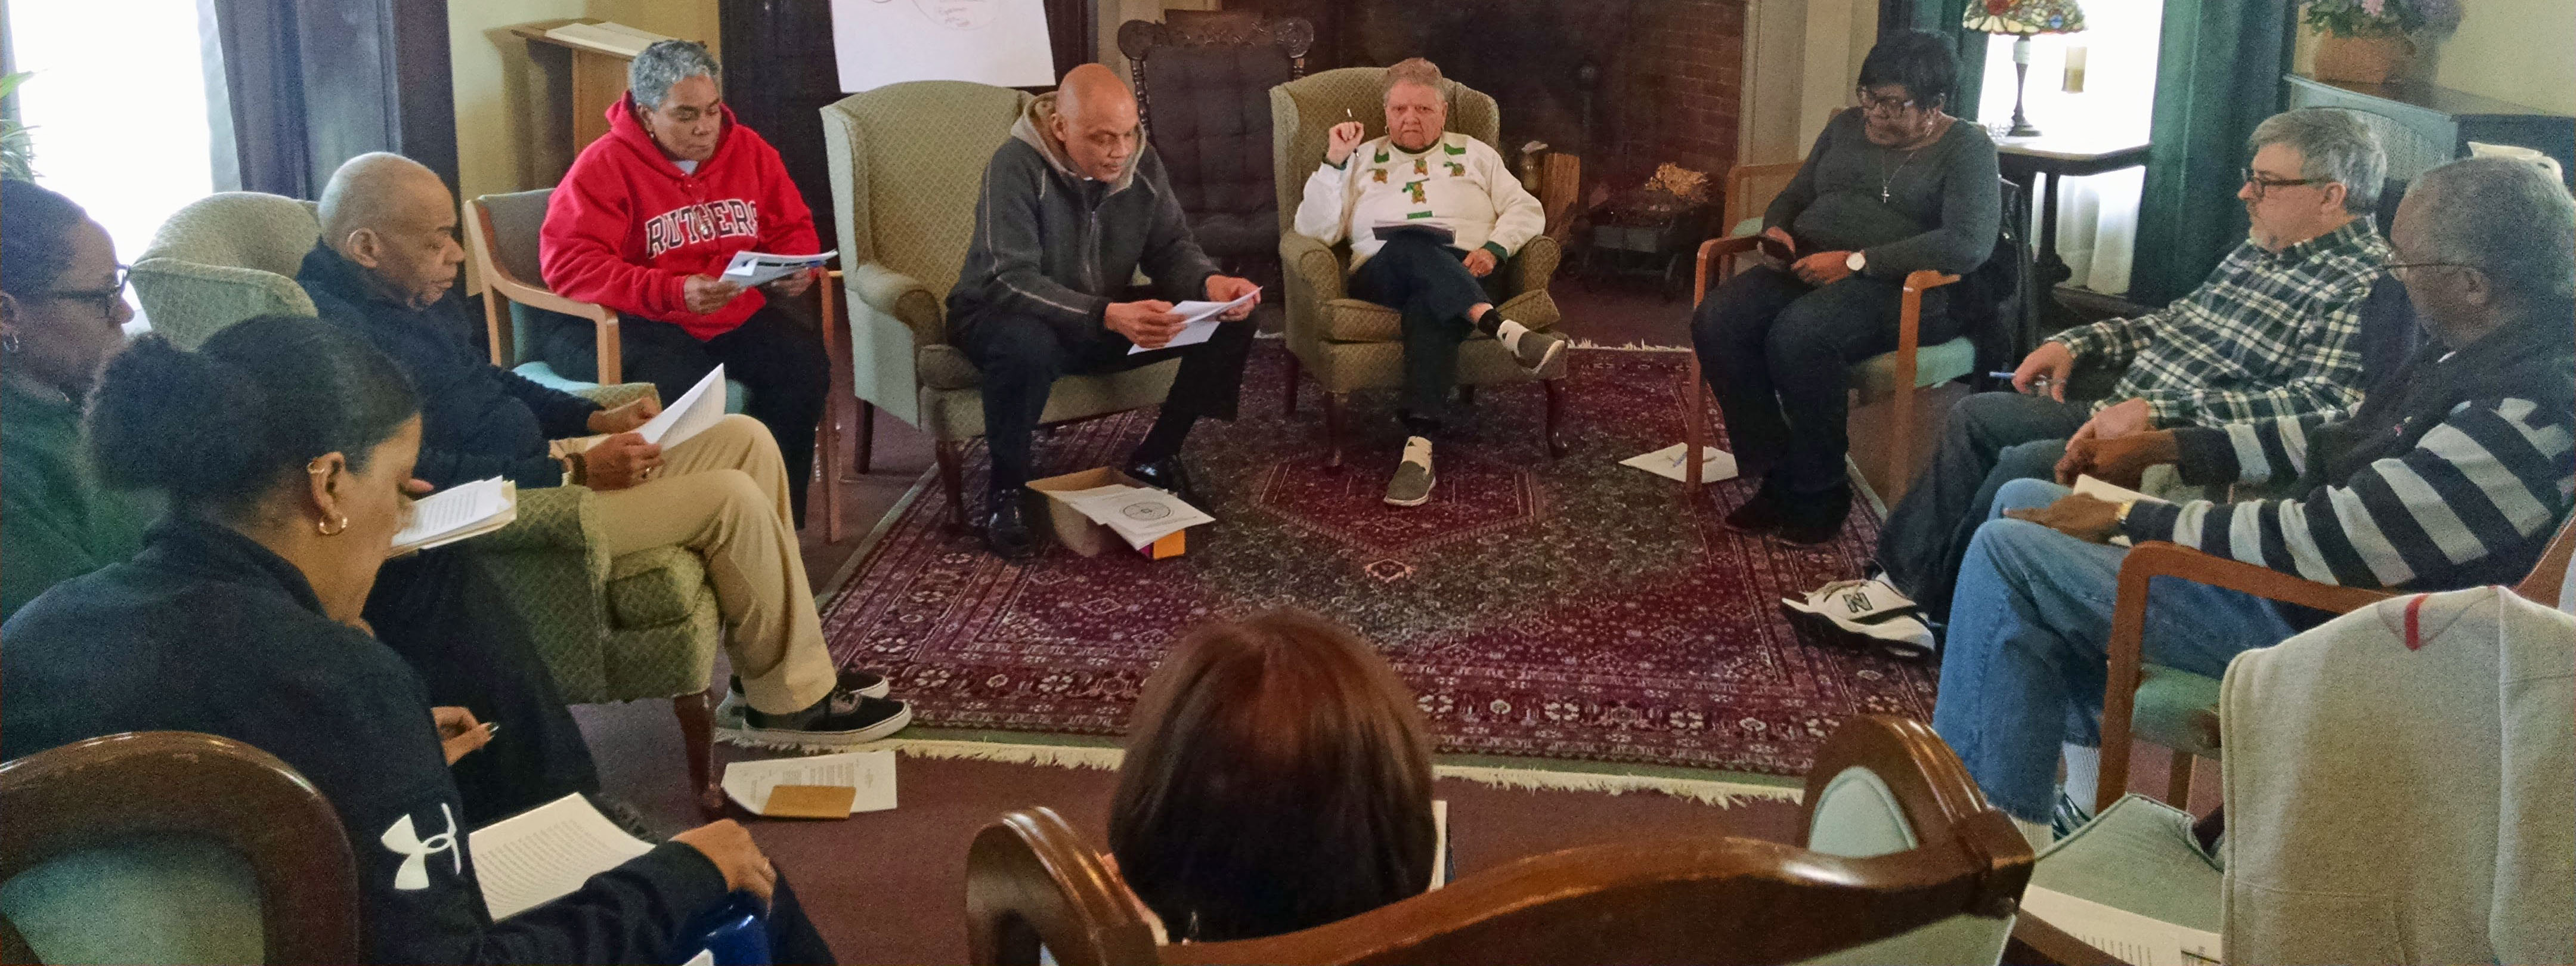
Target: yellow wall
[{"x": 2522, "y": 51}]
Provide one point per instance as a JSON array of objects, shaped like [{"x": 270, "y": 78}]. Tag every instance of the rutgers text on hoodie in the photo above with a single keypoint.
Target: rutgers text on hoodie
[{"x": 627, "y": 227}]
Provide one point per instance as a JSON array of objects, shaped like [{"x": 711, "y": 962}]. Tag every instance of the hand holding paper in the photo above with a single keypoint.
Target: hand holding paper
[
  {"x": 1199, "y": 321},
  {"x": 759, "y": 268}
]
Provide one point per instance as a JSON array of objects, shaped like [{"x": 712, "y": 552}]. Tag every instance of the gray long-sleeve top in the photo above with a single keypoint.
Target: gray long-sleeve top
[{"x": 1940, "y": 210}]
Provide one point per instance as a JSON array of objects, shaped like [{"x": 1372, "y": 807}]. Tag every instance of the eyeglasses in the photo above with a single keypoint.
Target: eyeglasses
[
  {"x": 107, "y": 298},
  {"x": 2398, "y": 271},
  {"x": 1870, "y": 104},
  {"x": 2262, "y": 184}
]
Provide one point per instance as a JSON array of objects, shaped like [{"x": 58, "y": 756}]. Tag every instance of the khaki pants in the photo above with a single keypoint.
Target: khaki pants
[{"x": 723, "y": 494}]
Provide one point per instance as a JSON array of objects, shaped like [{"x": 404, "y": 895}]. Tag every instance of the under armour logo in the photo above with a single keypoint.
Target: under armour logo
[{"x": 402, "y": 837}]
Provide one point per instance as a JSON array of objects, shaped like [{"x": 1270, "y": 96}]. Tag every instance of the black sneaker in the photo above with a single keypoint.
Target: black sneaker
[
  {"x": 841, "y": 718},
  {"x": 1167, "y": 475},
  {"x": 868, "y": 684},
  {"x": 2067, "y": 816},
  {"x": 1006, "y": 527}
]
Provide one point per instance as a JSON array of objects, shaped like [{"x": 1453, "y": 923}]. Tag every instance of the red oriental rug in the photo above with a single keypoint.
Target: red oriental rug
[{"x": 1573, "y": 609}]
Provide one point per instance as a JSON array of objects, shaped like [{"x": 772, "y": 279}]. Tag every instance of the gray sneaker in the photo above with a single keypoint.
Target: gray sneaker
[
  {"x": 1413, "y": 479},
  {"x": 1537, "y": 348}
]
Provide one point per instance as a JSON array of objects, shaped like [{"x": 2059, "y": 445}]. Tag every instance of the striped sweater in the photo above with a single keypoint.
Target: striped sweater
[{"x": 2456, "y": 478}]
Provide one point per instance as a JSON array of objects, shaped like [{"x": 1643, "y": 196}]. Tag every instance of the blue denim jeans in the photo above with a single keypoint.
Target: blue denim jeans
[{"x": 2022, "y": 670}]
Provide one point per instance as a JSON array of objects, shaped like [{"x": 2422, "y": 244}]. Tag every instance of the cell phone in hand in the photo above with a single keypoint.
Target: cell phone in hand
[{"x": 1774, "y": 249}]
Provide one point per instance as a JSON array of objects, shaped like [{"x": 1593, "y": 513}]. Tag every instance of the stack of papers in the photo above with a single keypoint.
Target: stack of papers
[
  {"x": 461, "y": 511},
  {"x": 1198, "y": 322},
  {"x": 1438, "y": 230},
  {"x": 544, "y": 853},
  {"x": 864, "y": 779},
  {"x": 700, "y": 407},
  {"x": 2125, "y": 935},
  {"x": 757, "y": 268},
  {"x": 1140, "y": 515},
  {"x": 611, "y": 38}
]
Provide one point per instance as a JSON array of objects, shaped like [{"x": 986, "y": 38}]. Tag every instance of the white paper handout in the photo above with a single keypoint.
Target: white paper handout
[
  {"x": 997, "y": 42},
  {"x": 546, "y": 852},
  {"x": 460, "y": 511},
  {"x": 871, "y": 772},
  {"x": 700, "y": 407},
  {"x": 1714, "y": 464},
  {"x": 1198, "y": 322},
  {"x": 2127, "y": 936},
  {"x": 760, "y": 268},
  {"x": 1139, "y": 515}
]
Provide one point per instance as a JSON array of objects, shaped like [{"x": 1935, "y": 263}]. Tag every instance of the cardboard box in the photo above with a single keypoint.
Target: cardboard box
[{"x": 1082, "y": 536}]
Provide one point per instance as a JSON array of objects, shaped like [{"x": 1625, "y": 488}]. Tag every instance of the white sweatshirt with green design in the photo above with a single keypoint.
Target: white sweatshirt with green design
[{"x": 1459, "y": 183}]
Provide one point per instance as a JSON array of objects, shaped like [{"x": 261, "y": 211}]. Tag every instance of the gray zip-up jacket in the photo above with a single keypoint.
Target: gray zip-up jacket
[{"x": 1055, "y": 245}]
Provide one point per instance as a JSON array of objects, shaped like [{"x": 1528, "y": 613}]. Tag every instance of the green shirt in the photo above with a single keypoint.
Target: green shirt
[{"x": 56, "y": 522}]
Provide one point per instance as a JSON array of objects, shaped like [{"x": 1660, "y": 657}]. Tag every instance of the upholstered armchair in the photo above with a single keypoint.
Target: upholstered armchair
[
  {"x": 1348, "y": 344},
  {"x": 638, "y": 626},
  {"x": 907, "y": 163},
  {"x": 1203, "y": 79}
]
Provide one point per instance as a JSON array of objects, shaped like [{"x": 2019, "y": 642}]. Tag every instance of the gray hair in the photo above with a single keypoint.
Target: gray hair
[
  {"x": 1411, "y": 70},
  {"x": 2505, "y": 217},
  {"x": 2333, "y": 145},
  {"x": 665, "y": 63}
]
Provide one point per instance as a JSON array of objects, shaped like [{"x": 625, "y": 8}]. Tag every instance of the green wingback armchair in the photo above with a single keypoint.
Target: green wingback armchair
[
  {"x": 643, "y": 625},
  {"x": 1348, "y": 344},
  {"x": 907, "y": 163}
]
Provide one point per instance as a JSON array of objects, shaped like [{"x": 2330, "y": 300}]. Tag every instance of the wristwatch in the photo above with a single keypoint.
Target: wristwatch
[
  {"x": 1856, "y": 261},
  {"x": 2121, "y": 515}
]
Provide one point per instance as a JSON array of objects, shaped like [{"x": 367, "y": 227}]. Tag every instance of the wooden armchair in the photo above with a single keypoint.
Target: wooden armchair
[
  {"x": 170, "y": 846},
  {"x": 2179, "y": 709},
  {"x": 502, "y": 239},
  {"x": 1928, "y": 863}
]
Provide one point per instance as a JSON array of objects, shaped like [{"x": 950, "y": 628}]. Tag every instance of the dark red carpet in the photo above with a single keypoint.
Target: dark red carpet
[{"x": 1567, "y": 609}]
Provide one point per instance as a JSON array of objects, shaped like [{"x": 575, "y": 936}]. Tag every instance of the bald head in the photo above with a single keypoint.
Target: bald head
[
  {"x": 392, "y": 216},
  {"x": 1095, "y": 120}
]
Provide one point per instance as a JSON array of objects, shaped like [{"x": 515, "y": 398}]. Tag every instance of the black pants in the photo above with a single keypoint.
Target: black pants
[
  {"x": 1775, "y": 350},
  {"x": 1428, "y": 285},
  {"x": 1992, "y": 438},
  {"x": 773, "y": 354},
  {"x": 1021, "y": 358},
  {"x": 450, "y": 622}
]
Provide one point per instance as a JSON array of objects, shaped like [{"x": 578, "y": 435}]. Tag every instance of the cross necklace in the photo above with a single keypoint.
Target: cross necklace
[{"x": 1890, "y": 179}]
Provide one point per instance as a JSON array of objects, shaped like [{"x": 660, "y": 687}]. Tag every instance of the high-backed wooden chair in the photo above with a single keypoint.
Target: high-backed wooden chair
[
  {"x": 1203, "y": 80},
  {"x": 1902, "y": 861},
  {"x": 2178, "y": 709},
  {"x": 171, "y": 847}
]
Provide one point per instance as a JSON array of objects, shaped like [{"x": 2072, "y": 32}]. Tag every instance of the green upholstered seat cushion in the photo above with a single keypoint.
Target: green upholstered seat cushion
[
  {"x": 160, "y": 899},
  {"x": 2137, "y": 855},
  {"x": 1933, "y": 365},
  {"x": 2177, "y": 709},
  {"x": 651, "y": 588}
]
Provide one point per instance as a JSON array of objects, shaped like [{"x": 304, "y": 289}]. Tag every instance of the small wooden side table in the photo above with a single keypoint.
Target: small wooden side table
[
  {"x": 2060, "y": 157},
  {"x": 598, "y": 80}
]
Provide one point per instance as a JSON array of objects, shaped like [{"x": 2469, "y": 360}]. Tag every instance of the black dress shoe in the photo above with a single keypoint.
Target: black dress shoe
[
  {"x": 1810, "y": 519},
  {"x": 1167, "y": 475},
  {"x": 1761, "y": 514},
  {"x": 1006, "y": 527}
]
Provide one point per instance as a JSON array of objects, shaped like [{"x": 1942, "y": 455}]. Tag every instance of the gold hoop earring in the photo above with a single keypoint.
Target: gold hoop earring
[{"x": 325, "y": 528}]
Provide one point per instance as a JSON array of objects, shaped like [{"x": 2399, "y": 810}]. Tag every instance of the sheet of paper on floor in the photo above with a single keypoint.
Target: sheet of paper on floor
[
  {"x": 2127, "y": 936},
  {"x": 545, "y": 853},
  {"x": 1715, "y": 464},
  {"x": 871, "y": 772},
  {"x": 700, "y": 407}
]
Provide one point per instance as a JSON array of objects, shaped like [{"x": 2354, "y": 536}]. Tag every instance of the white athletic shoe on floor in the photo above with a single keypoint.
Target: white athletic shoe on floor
[{"x": 1864, "y": 613}]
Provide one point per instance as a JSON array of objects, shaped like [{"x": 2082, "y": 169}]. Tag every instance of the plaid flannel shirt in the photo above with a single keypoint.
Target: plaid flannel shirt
[{"x": 2269, "y": 335}]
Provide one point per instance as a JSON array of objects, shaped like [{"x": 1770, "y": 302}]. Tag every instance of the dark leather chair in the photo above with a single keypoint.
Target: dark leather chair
[{"x": 1203, "y": 80}]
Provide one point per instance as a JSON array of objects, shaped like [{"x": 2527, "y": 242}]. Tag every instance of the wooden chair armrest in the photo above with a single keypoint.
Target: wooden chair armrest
[
  {"x": 538, "y": 298},
  {"x": 2157, "y": 558},
  {"x": 1711, "y": 252}
]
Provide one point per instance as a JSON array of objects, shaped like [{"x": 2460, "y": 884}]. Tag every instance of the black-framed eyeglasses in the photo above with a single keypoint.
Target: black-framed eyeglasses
[
  {"x": 2262, "y": 184},
  {"x": 1873, "y": 104},
  {"x": 106, "y": 298},
  {"x": 2398, "y": 271}
]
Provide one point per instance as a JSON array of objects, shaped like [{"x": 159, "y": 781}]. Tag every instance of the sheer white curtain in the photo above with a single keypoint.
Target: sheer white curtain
[{"x": 2098, "y": 226}]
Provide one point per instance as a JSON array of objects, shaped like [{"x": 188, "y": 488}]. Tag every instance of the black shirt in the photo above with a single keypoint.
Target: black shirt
[{"x": 207, "y": 631}]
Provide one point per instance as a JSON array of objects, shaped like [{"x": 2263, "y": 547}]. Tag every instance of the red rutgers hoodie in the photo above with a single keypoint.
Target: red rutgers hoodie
[{"x": 627, "y": 228}]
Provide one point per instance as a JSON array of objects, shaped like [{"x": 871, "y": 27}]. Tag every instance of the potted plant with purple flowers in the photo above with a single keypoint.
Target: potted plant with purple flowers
[{"x": 2372, "y": 41}]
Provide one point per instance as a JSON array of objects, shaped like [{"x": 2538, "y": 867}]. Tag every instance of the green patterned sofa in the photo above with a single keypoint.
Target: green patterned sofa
[
  {"x": 643, "y": 625},
  {"x": 1348, "y": 344},
  {"x": 907, "y": 162}
]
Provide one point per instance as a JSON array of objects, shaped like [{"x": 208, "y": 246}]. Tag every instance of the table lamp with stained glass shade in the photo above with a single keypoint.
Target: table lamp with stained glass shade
[{"x": 2023, "y": 19}]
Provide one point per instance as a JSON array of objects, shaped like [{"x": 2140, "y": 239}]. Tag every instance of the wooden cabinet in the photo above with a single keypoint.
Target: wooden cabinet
[{"x": 2423, "y": 126}]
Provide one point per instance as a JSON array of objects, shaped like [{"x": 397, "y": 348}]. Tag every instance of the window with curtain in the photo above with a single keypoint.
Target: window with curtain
[
  {"x": 118, "y": 108},
  {"x": 2098, "y": 216}
]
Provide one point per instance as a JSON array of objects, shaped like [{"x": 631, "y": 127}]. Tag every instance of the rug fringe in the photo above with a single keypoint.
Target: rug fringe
[
  {"x": 1706, "y": 791},
  {"x": 1638, "y": 345}
]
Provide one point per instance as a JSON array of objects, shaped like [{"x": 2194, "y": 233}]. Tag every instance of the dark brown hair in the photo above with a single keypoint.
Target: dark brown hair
[{"x": 1277, "y": 777}]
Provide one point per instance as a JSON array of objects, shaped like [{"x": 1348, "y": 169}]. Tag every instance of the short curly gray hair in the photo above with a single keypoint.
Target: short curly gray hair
[
  {"x": 2333, "y": 145},
  {"x": 1412, "y": 70},
  {"x": 2505, "y": 217},
  {"x": 666, "y": 63}
]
